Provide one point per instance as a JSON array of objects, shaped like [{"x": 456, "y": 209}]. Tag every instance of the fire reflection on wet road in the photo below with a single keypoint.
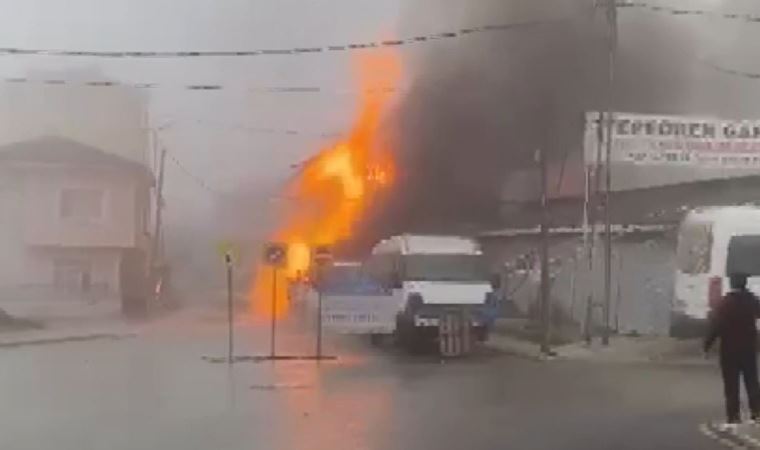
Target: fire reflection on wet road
[{"x": 155, "y": 392}]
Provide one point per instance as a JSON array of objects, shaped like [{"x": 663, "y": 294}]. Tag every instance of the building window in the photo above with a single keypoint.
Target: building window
[
  {"x": 72, "y": 274},
  {"x": 83, "y": 204}
]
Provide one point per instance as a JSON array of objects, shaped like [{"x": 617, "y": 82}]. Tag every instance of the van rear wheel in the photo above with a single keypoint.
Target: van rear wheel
[
  {"x": 412, "y": 339},
  {"x": 683, "y": 327}
]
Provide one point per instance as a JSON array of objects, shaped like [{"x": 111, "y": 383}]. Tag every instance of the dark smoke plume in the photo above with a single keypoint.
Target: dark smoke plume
[{"x": 480, "y": 106}]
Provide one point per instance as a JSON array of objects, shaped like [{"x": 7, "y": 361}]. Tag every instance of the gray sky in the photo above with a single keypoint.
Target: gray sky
[
  {"x": 223, "y": 155},
  {"x": 218, "y": 150}
]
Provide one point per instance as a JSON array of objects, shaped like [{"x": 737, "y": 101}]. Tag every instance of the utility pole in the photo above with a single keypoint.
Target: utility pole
[
  {"x": 589, "y": 234},
  {"x": 275, "y": 256},
  {"x": 619, "y": 291},
  {"x": 588, "y": 243},
  {"x": 274, "y": 314},
  {"x": 612, "y": 53},
  {"x": 159, "y": 208},
  {"x": 545, "y": 305},
  {"x": 230, "y": 311},
  {"x": 322, "y": 259},
  {"x": 158, "y": 164},
  {"x": 319, "y": 323}
]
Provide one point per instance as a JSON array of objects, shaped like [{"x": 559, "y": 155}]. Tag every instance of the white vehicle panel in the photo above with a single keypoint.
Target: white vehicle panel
[
  {"x": 351, "y": 302},
  {"x": 692, "y": 289},
  {"x": 448, "y": 293},
  {"x": 359, "y": 314}
]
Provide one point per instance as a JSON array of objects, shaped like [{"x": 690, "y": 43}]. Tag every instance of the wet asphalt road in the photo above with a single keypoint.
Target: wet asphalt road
[{"x": 155, "y": 392}]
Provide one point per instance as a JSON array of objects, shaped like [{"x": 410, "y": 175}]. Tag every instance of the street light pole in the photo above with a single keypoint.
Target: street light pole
[
  {"x": 158, "y": 165},
  {"x": 273, "y": 329},
  {"x": 319, "y": 323},
  {"x": 230, "y": 311},
  {"x": 159, "y": 209},
  {"x": 612, "y": 53},
  {"x": 545, "y": 306}
]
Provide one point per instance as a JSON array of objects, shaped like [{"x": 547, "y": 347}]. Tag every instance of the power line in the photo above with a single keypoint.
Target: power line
[
  {"x": 673, "y": 11},
  {"x": 264, "y": 130},
  {"x": 100, "y": 84},
  {"x": 733, "y": 72},
  {"x": 198, "y": 180},
  {"x": 293, "y": 51}
]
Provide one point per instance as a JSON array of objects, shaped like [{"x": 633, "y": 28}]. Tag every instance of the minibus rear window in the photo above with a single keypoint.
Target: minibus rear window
[{"x": 743, "y": 255}]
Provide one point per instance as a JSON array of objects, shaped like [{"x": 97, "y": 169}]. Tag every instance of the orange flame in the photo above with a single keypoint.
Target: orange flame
[{"x": 334, "y": 189}]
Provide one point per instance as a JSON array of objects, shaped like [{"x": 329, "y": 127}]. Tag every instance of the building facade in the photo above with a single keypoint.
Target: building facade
[
  {"x": 645, "y": 216},
  {"x": 73, "y": 217}
]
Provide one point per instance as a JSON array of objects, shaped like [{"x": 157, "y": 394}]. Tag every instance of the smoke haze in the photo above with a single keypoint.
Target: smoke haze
[{"x": 479, "y": 108}]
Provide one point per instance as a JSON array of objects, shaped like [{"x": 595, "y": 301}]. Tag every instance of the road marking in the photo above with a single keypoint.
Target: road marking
[
  {"x": 729, "y": 439},
  {"x": 752, "y": 441},
  {"x": 712, "y": 434},
  {"x": 276, "y": 386}
]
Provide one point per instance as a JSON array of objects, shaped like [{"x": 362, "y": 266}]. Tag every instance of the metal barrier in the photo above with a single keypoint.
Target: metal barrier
[{"x": 455, "y": 334}]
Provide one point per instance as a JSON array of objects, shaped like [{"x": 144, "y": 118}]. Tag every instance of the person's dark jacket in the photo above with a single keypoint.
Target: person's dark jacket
[{"x": 734, "y": 322}]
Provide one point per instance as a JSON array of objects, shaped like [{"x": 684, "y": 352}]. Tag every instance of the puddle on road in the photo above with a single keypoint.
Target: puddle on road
[{"x": 279, "y": 386}]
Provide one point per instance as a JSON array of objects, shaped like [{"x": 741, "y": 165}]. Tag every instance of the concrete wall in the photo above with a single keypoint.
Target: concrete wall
[
  {"x": 11, "y": 227},
  {"x": 35, "y": 295},
  {"x": 645, "y": 283},
  {"x": 38, "y": 267},
  {"x": 31, "y": 275},
  {"x": 662, "y": 205}
]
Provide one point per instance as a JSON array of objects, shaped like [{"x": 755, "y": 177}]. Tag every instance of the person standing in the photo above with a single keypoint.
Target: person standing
[{"x": 733, "y": 321}]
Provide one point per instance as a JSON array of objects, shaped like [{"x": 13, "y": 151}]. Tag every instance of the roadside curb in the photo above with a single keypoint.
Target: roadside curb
[
  {"x": 11, "y": 343},
  {"x": 518, "y": 348},
  {"x": 529, "y": 350}
]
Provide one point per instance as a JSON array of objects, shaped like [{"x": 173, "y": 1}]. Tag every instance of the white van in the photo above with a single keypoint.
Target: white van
[
  {"x": 434, "y": 273},
  {"x": 712, "y": 243}
]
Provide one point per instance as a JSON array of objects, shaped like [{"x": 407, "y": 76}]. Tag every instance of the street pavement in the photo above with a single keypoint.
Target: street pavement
[
  {"x": 155, "y": 391},
  {"x": 749, "y": 434}
]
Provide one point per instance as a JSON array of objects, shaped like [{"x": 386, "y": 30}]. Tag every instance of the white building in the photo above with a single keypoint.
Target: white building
[{"x": 74, "y": 221}]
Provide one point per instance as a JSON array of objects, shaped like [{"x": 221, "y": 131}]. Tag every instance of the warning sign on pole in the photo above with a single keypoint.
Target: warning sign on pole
[
  {"x": 322, "y": 259},
  {"x": 276, "y": 254},
  {"x": 322, "y": 256},
  {"x": 229, "y": 251}
]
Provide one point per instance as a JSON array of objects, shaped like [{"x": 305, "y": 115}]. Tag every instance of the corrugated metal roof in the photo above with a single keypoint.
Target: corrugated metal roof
[
  {"x": 418, "y": 244},
  {"x": 569, "y": 182},
  {"x": 415, "y": 244},
  {"x": 577, "y": 231}
]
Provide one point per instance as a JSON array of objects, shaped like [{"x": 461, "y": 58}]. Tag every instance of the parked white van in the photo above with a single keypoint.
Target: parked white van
[
  {"x": 433, "y": 274},
  {"x": 712, "y": 243}
]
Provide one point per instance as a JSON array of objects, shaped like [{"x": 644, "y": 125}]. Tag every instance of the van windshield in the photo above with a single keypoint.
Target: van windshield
[
  {"x": 349, "y": 279},
  {"x": 744, "y": 255},
  {"x": 445, "y": 268}
]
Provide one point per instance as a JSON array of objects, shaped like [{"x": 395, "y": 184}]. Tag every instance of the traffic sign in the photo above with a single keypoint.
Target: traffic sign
[
  {"x": 276, "y": 254},
  {"x": 322, "y": 255},
  {"x": 228, "y": 251}
]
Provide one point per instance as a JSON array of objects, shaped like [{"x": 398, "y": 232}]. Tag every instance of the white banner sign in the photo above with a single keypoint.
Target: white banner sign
[{"x": 674, "y": 141}]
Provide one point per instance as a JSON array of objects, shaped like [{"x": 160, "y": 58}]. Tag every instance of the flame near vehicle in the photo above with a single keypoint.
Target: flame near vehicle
[{"x": 334, "y": 189}]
